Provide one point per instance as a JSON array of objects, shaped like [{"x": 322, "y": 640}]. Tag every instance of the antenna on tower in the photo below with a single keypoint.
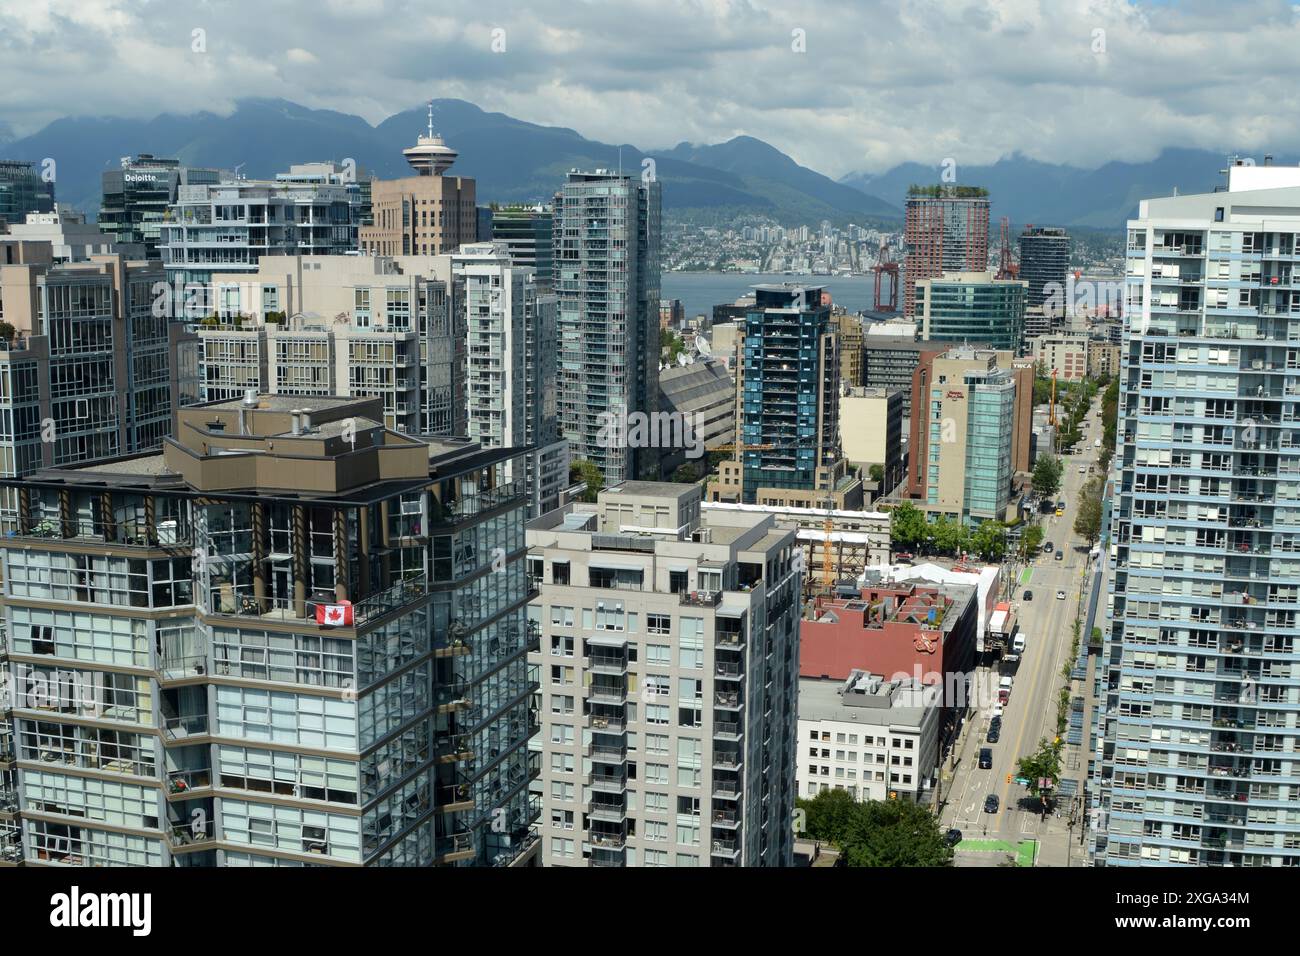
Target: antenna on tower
[{"x": 430, "y": 119}]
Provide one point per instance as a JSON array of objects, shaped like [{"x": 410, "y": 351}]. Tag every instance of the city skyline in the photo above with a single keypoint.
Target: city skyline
[{"x": 584, "y": 70}]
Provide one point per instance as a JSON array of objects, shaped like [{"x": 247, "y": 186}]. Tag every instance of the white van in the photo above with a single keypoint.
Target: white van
[{"x": 1018, "y": 645}]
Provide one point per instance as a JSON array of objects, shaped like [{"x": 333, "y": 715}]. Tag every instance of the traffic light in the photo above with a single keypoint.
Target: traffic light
[{"x": 1008, "y": 778}]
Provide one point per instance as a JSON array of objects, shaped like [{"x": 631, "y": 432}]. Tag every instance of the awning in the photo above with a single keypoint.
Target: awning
[
  {"x": 614, "y": 565},
  {"x": 607, "y": 640}
]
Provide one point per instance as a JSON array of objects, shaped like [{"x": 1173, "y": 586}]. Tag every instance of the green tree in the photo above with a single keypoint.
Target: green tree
[
  {"x": 7, "y": 332},
  {"x": 1043, "y": 763},
  {"x": 907, "y": 526},
  {"x": 828, "y": 815},
  {"x": 1046, "y": 479},
  {"x": 989, "y": 540},
  {"x": 588, "y": 471},
  {"x": 686, "y": 474},
  {"x": 877, "y": 473},
  {"x": 1087, "y": 517},
  {"x": 1031, "y": 539},
  {"x": 894, "y": 833},
  {"x": 950, "y": 537}
]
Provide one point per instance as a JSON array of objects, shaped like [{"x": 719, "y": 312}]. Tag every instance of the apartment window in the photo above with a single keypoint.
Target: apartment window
[
  {"x": 561, "y": 646},
  {"x": 562, "y": 819},
  {"x": 561, "y": 704},
  {"x": 659, "y": 624},
  {"x": 659, "y": 655}
]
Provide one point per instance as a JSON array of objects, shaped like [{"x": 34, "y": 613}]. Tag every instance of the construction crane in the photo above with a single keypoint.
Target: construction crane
[
  {"x": 886, "y": 265},
  {"x": 1006, "y": 268},
  {"x": 1051, "y": 412}
]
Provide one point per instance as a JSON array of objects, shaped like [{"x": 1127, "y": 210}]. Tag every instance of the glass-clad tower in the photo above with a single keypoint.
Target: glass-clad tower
[{"x": 1198, "y": 683}]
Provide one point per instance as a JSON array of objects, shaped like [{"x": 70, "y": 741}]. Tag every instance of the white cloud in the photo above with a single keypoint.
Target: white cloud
[{"x": 882, "y": 81}]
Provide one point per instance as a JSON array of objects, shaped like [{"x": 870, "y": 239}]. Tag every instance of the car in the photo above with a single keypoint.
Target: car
[
  {"x": 997, "y": 712},
  {"x": 1060, "y": 506},
  {"x": 1029, "y": 595},
  {"x": 904, "y": 556},
  {"x": 1060, "y": 595},
  {"x": 1060, "y": 512},
  {"x": 1060, "y": 556},
  {"x": 993, "y": 735},
  {"x": 991, "y": 803},
  {"x": 1083, "y": 469},
  {"x": 952, "y": 838},
  {"x": 986, "y": 758},
  {"x": 1047, "y": 547}
]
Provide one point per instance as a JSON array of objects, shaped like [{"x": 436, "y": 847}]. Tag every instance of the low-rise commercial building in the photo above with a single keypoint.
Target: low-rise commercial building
[{"x": 876, "y": 737}]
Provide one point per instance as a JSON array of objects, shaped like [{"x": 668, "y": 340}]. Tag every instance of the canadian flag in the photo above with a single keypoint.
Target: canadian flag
[{"x": 335, "y": 615}]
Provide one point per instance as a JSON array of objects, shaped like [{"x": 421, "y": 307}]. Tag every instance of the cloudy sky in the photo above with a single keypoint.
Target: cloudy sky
[{"x": 841, "y": 85}]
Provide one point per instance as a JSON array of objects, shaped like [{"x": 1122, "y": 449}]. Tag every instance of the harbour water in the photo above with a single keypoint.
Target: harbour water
[{"x": 701, "y": 291}]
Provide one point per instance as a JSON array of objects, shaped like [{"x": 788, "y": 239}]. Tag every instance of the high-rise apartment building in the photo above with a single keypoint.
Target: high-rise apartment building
[
  {"x": 607, "y": 239},
  {"x": 279, "y": 641},
  {"x": 971, "y": 307},
  {"x": 427, "y": 214},
  {"x": 946, "y": 230},
  {"x": 231, "y": 225},
  {"x": 23, "y": 190},
  {"x": 87, "y": 372},
  {"x": 510, "y": 365},
  {"x": 787, "y": 406},
  {"x": 1044, "y": 261},
  {"x": 668, "y": 662},
  {"x": 135, "y": 198},
  {"x": 1198, "y": 683},
  {"x": 527, "y": 233},
  {"x": 355, "y": 326}
]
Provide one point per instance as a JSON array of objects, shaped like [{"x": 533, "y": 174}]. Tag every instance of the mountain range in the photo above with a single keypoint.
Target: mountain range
[{"x": 517, "y": 161}]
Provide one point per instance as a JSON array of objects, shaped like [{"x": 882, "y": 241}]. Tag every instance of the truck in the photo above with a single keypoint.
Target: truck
[
  {"x": 1004, "y": 690},
  {"x": 1018, "y": 644}
]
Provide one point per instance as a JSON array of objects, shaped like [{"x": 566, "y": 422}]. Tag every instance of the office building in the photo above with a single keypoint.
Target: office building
[
  {"x": 704, "y": 395},
  {"x": 23, "y": 190},
  {"x": 871, "y": 430},
  {"x": 355, "y": 182},
  {"x": 888, "y": 362},
  {"x": 671, "y": 314},
  {"x": 332, "y": 684},
  {"x": 527, "y": 233},
  {"x": 961, "y": 456},
  {"x": 135, "y": 198},
  {"x": 972, "y": 307},
  {"x": 1044, "y": 262},
  {"x": 787, "y": 406},
  {"x": 668, "y": 660},
  {"x": 1198, "y": 679},
  {"x": 427, "y": 214},
  {"x": 946, "y": 229},
  {"x": 875, "y": 737},
  {"x": 913, "y": 632},
  {"x": 607, "y": 242}
]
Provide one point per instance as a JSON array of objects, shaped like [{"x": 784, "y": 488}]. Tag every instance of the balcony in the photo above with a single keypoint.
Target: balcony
[
  {"x": 191, "y": 836},
  {"x": 701, "y": 598},
  {"x": 454, "y": 847},
  {"x": 729, "y": 819},
  {"x": 606, "y": 754},
  {"x": 607, "y": 694},
  {"x": 727, "y": 730},
  {"x": 724, "y": 789},
  {"x": 727, "y": 849},
  {"x": 727, "y": 700},
  {"x": 607, "y": 782},
  {"x": 173, "y": 669},
  {"x": 183, "y": 782},
  {"x": 610, "y": 664},
  {"x": 729, "y": 670},
  {"x": 728, "y": 640},
  {"x": 612, "y": 725},
  {"x": 609, "y": 812},
  {"x": 186, "y": 727}
]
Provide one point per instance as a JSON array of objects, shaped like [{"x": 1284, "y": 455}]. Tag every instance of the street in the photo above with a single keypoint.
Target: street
[{"x": 1031, "y": 712}]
